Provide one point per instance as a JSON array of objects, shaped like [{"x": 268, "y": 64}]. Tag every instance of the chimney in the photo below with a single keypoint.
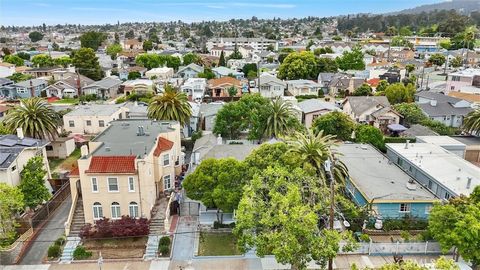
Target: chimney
[
  {"x": 84, "y": 150},
  {"x": 20, "y": 133},
  {"x": 407, "y": 144},
  {"x": 32, "y": 90},
  {"x": 433, "y": 103},
  {"x": 140, "y": 131},
  {"x": 219, "y": 139},
  {"x": 469, "y": 182}
]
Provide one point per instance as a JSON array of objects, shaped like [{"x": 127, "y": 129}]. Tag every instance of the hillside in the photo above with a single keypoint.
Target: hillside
[{"x": 461, "y": 6}]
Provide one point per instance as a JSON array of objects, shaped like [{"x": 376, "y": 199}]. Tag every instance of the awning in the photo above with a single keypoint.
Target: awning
[{"x": 396, "y": 127}]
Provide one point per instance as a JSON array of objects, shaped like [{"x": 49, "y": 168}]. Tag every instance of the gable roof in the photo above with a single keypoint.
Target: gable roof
[
  {"x": 191, "y": 66},
  {"x": 442, "y": 109},
  {"x": 440, "y": 98},
  {"x": 106, "y": 83},
  {"x": 361, "y": 104},
  {"x": 312, "y": 105},
  {"x": 213, "y": 83},
  {"x": 112, "y": 164},
  {"x": 162, "y": 146},
  {"x": 35, "y": 83},
  {"x": 223, "y": 71},
  {"x": 266, "y": 78}
]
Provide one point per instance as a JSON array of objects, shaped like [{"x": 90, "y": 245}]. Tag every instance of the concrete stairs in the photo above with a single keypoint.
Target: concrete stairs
[
  {"x": 78, "y": 220},
  {"x": 157, "y": 228},
  {"x": 152, "y": 247},
  {"x": 70, "y": 246}
]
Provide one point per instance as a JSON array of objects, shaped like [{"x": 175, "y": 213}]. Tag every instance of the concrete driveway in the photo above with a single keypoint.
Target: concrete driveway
[{"x": 54, "y": 228}]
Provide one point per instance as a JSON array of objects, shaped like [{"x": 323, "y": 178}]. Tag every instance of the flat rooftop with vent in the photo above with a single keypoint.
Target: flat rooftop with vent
[{"x": 441, "y": 171}]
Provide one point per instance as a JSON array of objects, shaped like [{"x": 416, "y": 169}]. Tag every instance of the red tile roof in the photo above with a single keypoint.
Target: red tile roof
[
  {"x": 112, "y": 164},
  {"x": 75, "y": 172},
  {"x": 162, "y": 145},
  {"x": 373, "y": 82}
]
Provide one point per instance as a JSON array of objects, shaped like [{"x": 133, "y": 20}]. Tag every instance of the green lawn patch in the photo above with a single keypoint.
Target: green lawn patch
[
  {"x": 72, "y": 101},
  {"x": 65, "y": 164},
  {"x": 218, "y": 244},
  {"x": 54, "y": 162}
]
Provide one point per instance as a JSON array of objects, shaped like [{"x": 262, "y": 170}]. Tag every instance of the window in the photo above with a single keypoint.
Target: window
[
  {"x": 71, "y": 123},
  {"x": 97, "y": 211},
  {"x": 447, "y": 196},
  {"x": 89, "y": 122},
  {"x": 430, "y": 184},
  {"x": 14, "y": 167},
  {"x": 404, "y": 208},
  {"x": 166, "y": 182},
  {"x": 133, "y": 209},
  {"x": 131, "y": 184},
  {"x": 399, "y": 161},
  {"x": 101, "y": 123},
  {"x": 166, "y": 160},
  {"x": 116, "y": 210},
  {"x": 94, "y": 184},
  {"x": 49, "y": 148},
  {"x": 112, "y": 184}
]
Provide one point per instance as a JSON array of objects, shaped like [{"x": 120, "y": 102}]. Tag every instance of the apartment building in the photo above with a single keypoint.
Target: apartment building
[{"x": 92, "y": 119}]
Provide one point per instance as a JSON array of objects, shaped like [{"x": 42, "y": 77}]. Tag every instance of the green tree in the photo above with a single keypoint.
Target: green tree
[
  {"x": 92, "y": 40},
  {"x": 151, "y": 60},
  {"x": 399, "y": 41},
  {"x": 437, "y": 59},
  {"x": 13, "y": 59},
  {"x": 453, "y": 23},
  {"x": 130, "y": 34},
  {"x": 132, "y": 75},
  {"x": 11, "y": 202},
  {"x": 63, "y": 61},
  {"x": 456, "y": 62},
  {"x": 250, "y": 68},
  {"x": 36, "y": 117},
  {"x": 351, "y": 60},
  {"x": 4, "y": 130},
  {"x": 405, "y": 31},
  {"x": 409, "y": 68},
  {"x": 113, "y": 50},
  {"x": 271, "y": 155},
  {"x": 232, "y": 91},
  {"x": 445, "y": 44},
  {"x": 147, "y": 45},
  {"x": 411, "y": 112},
  {"x": 86, "y": 62},
  {"x": 391, "y": 31},
  {"x": 207, "y": 74},
  {"x": 382, "y": 86},
  {"x": 363, "y": 90},
  {"x": 171, "y": 105},
  {"x": 280, "y": 118},
  {"x": 471, "y": 123},
  {"x": 457, "y": 224},
  {"x": 192, "y": 58},
  {"x": 32, "y": 183},
  {"x": 284, "y": 52},
  {"x": 236, "y": 53},
  {"x": 370, "y": 134},
  {"x": 43, "y": 60},
  {"x": 222, "y": 62},
  {"x": 327, "y": 65},
  {"x": 35, "y": 36},
  {"x": 279, "y": 214},
  {"x": 19, "y": 77},
  {"x": 301, "y": 65},
  {"x": 398, "y": 93},
  {"x": 335, "y": 123},
  {"x": 24, "y": 55}
]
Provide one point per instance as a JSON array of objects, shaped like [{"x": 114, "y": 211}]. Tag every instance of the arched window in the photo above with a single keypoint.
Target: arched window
[
  {"x": 116, "y": 210},
  {"x": 97, "y": 211},
  {"x": 133, "y": 209}
]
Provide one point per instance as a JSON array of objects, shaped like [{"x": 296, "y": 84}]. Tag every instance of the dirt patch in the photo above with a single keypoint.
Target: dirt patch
[{"x": 116, "y": 248}]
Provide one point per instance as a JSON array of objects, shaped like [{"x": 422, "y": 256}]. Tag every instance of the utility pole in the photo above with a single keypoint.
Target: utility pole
[
  {"x": 79, "y": 86},
  {"x": 329, "y": 165}
]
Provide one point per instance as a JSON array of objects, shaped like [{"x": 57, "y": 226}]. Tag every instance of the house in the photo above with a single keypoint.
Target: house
[
  {"x": 67, "y": 86},
  {"x": 391, "y": 76},
  {"x": 217, "y": 51},
  {"x": 29, "y": 88},
  {"x": 443, "y": 173},
  {"x": 106, "y": 88},
  {"x": 123, "y": 72},
  {"x": 448, "y": 143},
  {"x": 258, "y": 44},
  {"x": 61, "y": 147},
  {"x": 445, "y": 109},
  {"x": 303, "y": 87},
  {"x": 397, "y": 54},
  {"x": 195, "y": 88},
  {"x": 463, "y": 78},
  {"x": 472, "y": 98},
  {"x": 194, "y": 123},
  {"x": 161, "y": 73},
  {"x": 136, "y": 110},
  {"x": 132, "y": 44},
  {"x": 116, "y": 177},
  {"x": 138, "y": 86},
  {"x": 418, "y": 130},
  {"x": 92, "y": 118},
  {"x": 270, "y": 86},
  {"x": 189, "y": 71},
  {"x": 335, "y": 83},
  {"x": 42, "y": 72},
  {"x": 3, "y": 110},
  {"x": 6, "y": 69},
  {"x": 221, "y": 72},
  {"x": 373, "y": 110},
  {"x": 374, "y": 180},
  {"x": 472, "y": 148},
  {"x": 313, "y": 108},
  {"x": 15, "y": 151},
  {"x": 219, "y": 87},
  {"x": 208, "y": 114}
]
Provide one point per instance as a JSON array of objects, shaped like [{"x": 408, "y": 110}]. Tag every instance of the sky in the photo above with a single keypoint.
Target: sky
[{"x": 36, "y": 12}]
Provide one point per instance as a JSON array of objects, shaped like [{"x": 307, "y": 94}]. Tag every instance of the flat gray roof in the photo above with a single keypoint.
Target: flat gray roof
[
  {"x": 376, "y": 177},
  {"x": 95, "y": 110},
  {"x": 120, "y": 138}
]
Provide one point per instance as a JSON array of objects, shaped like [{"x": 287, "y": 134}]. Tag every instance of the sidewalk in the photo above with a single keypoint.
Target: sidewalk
[{"x": 184, "y": 241}]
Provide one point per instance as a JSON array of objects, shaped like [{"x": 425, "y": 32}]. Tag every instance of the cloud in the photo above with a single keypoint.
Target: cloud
[{"x": 263, "y": 5}]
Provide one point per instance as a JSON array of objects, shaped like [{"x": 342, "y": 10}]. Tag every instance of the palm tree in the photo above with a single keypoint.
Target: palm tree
[
  {"x": 471, "y": 123},
  {"x": 36, "y": 118},
  {"x": 315, "y": 150},
  {"x": 172, "y": 105},
  {"x": 278, "y": 122}
]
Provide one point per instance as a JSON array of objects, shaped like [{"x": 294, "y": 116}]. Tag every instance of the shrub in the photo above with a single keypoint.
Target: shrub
[
  {"x": 120, "y": 100},
  {"x": 164, "y": 250},
  {"x": 406, "y": 223},
  {"x": 124, "y": 227},
  {"x": 60, "y": 241},
  {"x": 80, "y": 253},
  {"x": 398, "y": 139},
  {"x": 164, "y": 241},
  {"x": 364, "y": 237},
  {"x": 53, "y": 251},
  {"x": 405, "y": 235}
]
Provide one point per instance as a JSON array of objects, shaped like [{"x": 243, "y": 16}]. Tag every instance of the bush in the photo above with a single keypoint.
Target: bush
[
  {"x": 164, "y": 250},
  {"x": 80, "y": 253},
  {"x": 398, "y": 139},
  {"x": 218, "y": 225},
  {"x": 304, "y": 97},
  {"x": 124, "y": 227},
  {"x": 164, "y": 241},
  {"x": 364, "y": 237},
  {"x": 196, "y": 135},
  {"x": 120, "y": 100},
  {"x": 407, "y": 223},
  {"x": 53, "y": 251},
  {"x": 60, "y": 241},
  {"x": 405, "y": 235}
]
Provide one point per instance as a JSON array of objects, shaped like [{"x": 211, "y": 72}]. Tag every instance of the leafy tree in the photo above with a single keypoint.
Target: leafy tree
[
  {"x": 217, "y": 183},
  {"x": 32, "y": 182},
  {"x": 457, "y": 224},
  {"x": 335, "y": 123},
  {"x": 445, "y": 44},
  {"x": 471, "y": 123},
  {"x": 232, "y": 91},
  {"x": 130, "y": 34},
  {"x": 280, "y": 214},
  {"x": 86, "y": 62},
  {"x": 391, "y": 31},
  {"x": 324, "y": 50},
  {"x": 411, "y": 112},
  {"x": 363, "y": 90},
  {"x": 236, "y": 53},
  {"x": 147, "y": 45},
  {"x": 409, "y": 68},
  {"x": 309, "y": 44},
  {"x": 284, "y": 52},
  {"x": 301, "y": 65},
  {"x": 405, "y": 31},
  {"x": 222, "y": 62},
  {"x": 63, "y": 61},
  {"x": 35, "y": 36},
  {"x": 19, "y": 77},
  {"x": 398, "y": 93},
  {"x": 453, "y": 23},
  {"x": 281, "y": 119},
  {"x": 113, "y": 50},
  {"x": 24, "y": 55},
  {"x": 250, "y": 68},
  {"x": 337, "y": 38},
  {"x": 132, "y": 75},
  {"x": 11, "y": 202},
  {"x": 271, "y": 155},
  {"x": 36, "y": 117},
  {"x": 4, "y": 130},
  {"x": 382, "y": 86},
  {"x": 92, "y": 40},
  {"x": 151, "y": 60},
  {"x": 192, "y": 58},
  {"x": 400, "y": 41},
  {"x": 207, "y": 74},
  {"x": 370, "y": 134},
  {"x": 117, "y": 38},
  {"x": 351, "y": 60},
  {"x": 13, "y": 59},
  {"x": 171, "y": 105},
  {"x": 327, "y": 65},
  {"x": 6, "y": 51},
  {"x": 43, "y": 60},
  {"x": 456, "y": 62},
  {"x": 437, "y": 59}
]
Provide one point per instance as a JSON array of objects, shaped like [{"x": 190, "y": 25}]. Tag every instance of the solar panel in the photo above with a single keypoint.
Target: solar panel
[
  {"x": 4, "y": 157},
  {"x": 28, "y": 142},
  {"x": 8, "y": 142}
]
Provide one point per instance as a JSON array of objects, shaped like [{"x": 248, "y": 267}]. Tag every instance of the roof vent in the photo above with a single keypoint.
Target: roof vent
[
  {"x": 407, "y": 143},
  {"x": 364, "y": 147},
  {"x": 107, "y": 148},
  {"x": 469, "y": 182},
  {"x": 411, "y": 185}
]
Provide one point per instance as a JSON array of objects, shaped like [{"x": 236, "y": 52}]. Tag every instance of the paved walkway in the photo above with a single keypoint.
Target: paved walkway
[
  {"x": 185, "y": 238},
  {"x": 54, "y": 228}
]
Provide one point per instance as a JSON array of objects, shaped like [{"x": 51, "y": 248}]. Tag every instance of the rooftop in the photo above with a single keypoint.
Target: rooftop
[
  {"x": 312, "y": 105},
  {"x": 208, "y": 147},
  {"x": 470, "y": 72},
  {"x": 376, "y": 177},
  {"x": 440, "y": 140},
  {"x": 445, "y": 167},
  {"x": 121, "y": 137},
  {"x": 441, "y": 109},
  {"x": 31, "y": 82},
  {"x": 95, "y": 110}
]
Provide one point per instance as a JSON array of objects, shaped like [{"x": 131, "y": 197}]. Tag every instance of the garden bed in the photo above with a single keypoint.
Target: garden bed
[
  {"x": 218, "y": 244},
  {"x": 132, "y": 247}
]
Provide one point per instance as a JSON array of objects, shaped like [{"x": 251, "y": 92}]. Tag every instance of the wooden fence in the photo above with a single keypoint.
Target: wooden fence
[{"x": 45, "y": 211}]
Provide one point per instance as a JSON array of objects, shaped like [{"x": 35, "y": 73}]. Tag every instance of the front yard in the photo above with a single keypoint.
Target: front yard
[
  {"x": 218, "y": 244},
  {"x": 132, "y": 247},
  {"x": 65, "y": 164}
]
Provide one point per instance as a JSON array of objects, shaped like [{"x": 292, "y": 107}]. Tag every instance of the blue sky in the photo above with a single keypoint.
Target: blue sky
[{"x": 35, "y": 12}]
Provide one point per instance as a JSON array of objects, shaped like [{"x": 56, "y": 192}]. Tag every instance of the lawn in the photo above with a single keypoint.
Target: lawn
[
  {"x": 65, "y": 164},
  {"x": 72, "y": 101},
  {"x": 54, "y": 162},
  {"x": 218, "y": 244},
  {"x": 132, "y": 247}
]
